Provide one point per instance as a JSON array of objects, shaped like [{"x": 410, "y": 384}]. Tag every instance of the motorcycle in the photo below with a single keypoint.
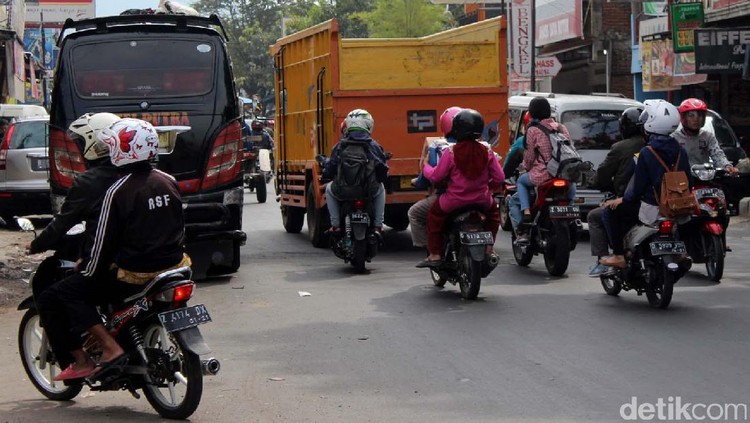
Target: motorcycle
[
  {"x": 358, "y": 242},
  {"x": 706, "y": 242},
  {"x": 503, "y": 201},
  {"x": 655, "y": 262},
  {"x": 466, "y": 260},
  {"x": 555, "y": 227},
  {"x": 258, "y": 172},
  {"x": 156, "y": 328}
]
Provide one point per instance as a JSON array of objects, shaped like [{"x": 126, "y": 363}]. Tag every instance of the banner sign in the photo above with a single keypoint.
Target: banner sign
[
  {"x": 720, "y": 50},
  {"x": 657, "y": 62},
  {"x": 521, "y": 37},
  {"x": 558, "y": 20},
  {"x": 655, "y": 8},
  {"x": 685, "y": 18}
]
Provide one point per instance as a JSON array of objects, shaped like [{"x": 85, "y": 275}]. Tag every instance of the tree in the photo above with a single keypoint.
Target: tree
[
  {"x": 405, "y": 18},
  {"x": 349, "y": 13}
]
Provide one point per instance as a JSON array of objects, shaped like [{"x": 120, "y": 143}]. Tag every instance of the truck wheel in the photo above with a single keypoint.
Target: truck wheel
[
  {"x": 317, "y": 220},
  {"x": 293, "y": 218}
]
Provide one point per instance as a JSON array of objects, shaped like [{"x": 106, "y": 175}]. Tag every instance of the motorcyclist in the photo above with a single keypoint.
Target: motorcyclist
[
  {"x": 472, "y": 170},
  {"x": 538, "y": 152},
  {"x": 418, "y": 212},
  {"x": 140, "y": 234},
  {"x": 613, "y": 175},
  {"x": 358, "y": 128},
  {"x": 700, "y": 144},
  {"x": 515, "y": 155},
  {"x": 84, "y": 199},
  {"x": 259, "y": 138},
  {"x": 659, "y": 119}
]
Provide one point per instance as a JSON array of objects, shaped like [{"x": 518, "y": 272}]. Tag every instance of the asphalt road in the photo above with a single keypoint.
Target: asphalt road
[{"x": 388, "y": 346}]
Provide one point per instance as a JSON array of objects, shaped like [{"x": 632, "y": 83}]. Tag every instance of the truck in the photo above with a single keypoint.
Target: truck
[{"x": 405, "y": 83}]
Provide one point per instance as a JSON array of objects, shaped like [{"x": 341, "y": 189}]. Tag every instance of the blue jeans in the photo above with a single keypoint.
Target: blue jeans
[
  {"x": 334, "y": 208},
  {"x": 524, "y": 186}
]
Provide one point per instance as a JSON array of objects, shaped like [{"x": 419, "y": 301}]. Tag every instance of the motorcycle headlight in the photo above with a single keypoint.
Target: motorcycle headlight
[{"x": 704, "y": 174}]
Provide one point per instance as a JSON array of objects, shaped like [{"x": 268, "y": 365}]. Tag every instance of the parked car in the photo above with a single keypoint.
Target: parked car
[
  {"x": 24, "y": 185},
  {"x": 593, "y": 123}
]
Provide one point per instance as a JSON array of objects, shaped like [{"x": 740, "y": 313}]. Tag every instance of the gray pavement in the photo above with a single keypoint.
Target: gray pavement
[{"x": 388, "y": 346}]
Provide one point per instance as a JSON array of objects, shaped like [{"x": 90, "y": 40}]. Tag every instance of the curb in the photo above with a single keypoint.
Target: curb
[{"x": 744, "y": 207}]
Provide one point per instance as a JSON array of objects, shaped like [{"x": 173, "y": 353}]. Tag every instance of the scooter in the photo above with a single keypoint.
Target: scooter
[
  {"x": 358, "y": 242},
  {"x": 258, "y": 172}
]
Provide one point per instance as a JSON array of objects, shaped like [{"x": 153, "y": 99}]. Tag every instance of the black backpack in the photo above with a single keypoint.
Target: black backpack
[{"x": 355, "y": 176}]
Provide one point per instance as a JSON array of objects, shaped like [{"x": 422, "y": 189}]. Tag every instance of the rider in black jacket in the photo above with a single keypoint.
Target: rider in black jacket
[
  {"x": 139, "y": 234},
  {"x": 84, "y": 199}
]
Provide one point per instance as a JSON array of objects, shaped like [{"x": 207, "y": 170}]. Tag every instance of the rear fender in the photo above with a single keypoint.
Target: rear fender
[
  {"x": 193, "y": 340},
  {"x": 359, "y": 231},
  {"x": 27, "y": 304},
  {"x": 477, "y": 252},
  {"x": 712, "y": 227}
]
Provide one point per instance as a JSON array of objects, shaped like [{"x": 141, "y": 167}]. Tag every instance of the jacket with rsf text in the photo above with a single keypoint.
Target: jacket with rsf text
[{"x": 141, "y": 227}]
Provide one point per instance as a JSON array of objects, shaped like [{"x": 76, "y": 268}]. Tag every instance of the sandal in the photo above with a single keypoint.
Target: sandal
[{"x": 69, "y": 374}]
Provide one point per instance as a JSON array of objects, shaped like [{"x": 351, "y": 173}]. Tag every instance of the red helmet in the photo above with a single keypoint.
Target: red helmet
[
  {"x": 446, "y": 119},
  {"x": 691, "y": 105},
  {"x": 256, "y": 125},
  {"x": 342, "y": 127},
  {"x": 526, "y": 119}
]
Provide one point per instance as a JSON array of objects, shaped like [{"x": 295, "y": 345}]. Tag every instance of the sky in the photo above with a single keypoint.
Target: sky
[{"x": 114, "y": 7}]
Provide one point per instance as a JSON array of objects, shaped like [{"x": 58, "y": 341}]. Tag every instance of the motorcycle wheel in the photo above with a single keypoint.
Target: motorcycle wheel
[
  {"x": 715, "y": 258},
  {"x": 470, "y": 274},
  {"x": 317, "y": 220},
  {"x": 359, "y": 250},
  {"x": 611, "y": 285},
  {"x": 261, "y": 191},
  {"x": 438, "y": 280},
  {"x": 522, "y": 258},
  {"x": 31, "y": 341},
  {"x": 557, "y": 251},
  {"x": 660, "y": 286},
  {"x": 178, "y": 396},
  {"x": 505, "y": 223},
  {"x": 292, "y": 218}
]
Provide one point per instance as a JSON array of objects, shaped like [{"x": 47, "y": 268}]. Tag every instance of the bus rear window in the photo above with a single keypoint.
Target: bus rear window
[{"x": 143, "y": 68}]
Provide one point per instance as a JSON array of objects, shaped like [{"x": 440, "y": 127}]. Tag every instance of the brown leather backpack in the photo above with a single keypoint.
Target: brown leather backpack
[{"x": 675, "y": 198}]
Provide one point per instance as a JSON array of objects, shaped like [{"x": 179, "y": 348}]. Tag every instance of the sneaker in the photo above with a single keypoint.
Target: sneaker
[
  {"x": 522, "y": 238},
  {"x": 614, "y": 261},
  {"x": 378, "y": 232},
  {"x": 599, "y": 269}
]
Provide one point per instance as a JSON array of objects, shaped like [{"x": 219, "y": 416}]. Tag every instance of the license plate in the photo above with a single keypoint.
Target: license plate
[
  {"x": 184, "y": 318},
  {"x": 660, "y": 248},
  {"x": 360, "y": 218},
  {"x": 565, "y": 212},
  {"x": 477, "y": 238},
  {"x": 40, "y": 164},
  {"x": 708, "y": 192}
]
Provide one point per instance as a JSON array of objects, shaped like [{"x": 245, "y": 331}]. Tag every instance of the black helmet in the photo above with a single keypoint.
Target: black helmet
[
  {"x": 630, "y": 124},
  {"x": 468, "y": 124},
  {"x": 539, "y": 108}
]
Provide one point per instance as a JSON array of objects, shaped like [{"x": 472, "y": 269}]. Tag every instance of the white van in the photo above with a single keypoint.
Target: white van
[
  {"x": 15, "y": 111},
  {"x": 593, "y": 123}
]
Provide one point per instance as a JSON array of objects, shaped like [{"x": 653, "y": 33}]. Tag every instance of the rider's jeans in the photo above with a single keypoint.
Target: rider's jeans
[
  {"x": 334, "y": 208},
  {"x": 524, "y": 186}
]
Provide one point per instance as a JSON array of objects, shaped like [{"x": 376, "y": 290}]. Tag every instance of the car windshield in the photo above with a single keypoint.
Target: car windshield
[
  {"x": 29, "y": 135},
  {"x": 592, "y": 129},
  {"x": 144, "y": 68},
  {"x": 721, "y": 129}
]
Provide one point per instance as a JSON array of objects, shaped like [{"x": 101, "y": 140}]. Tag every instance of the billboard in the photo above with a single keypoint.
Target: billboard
[
  {"x": 32, "y": 42},
  {"x": 720, "y": 50},
  {"x": 57, "y": 11}
]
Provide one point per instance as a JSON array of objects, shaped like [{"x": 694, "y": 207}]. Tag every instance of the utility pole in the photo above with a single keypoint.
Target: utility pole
[{"x": 44, "y": 60}]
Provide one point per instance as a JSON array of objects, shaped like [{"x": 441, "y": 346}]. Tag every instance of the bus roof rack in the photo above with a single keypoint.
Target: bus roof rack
[
  {"x": 610, "y": 95},
  {"x": 537, "y": 94}
]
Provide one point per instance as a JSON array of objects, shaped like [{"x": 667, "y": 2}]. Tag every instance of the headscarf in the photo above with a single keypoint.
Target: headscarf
[{"x": 470, "y": 157}]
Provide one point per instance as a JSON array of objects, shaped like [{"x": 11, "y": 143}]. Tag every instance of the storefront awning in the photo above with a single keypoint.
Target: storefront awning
[{"x": 563, "y": 46}]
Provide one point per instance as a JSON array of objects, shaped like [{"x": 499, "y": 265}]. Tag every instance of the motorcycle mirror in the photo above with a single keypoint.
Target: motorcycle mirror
[
  {"x": 77, "y": 229},
  {"x": 25, "y": 224}
]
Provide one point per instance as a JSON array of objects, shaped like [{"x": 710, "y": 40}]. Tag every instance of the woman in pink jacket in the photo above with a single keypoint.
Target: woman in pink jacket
[{"x": 471, "y": 170}]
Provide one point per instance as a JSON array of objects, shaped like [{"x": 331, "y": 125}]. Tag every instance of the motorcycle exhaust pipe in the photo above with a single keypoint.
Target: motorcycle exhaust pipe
[
  {"x": 493, "y": 260},
  {"x": 210, "y": 367}
]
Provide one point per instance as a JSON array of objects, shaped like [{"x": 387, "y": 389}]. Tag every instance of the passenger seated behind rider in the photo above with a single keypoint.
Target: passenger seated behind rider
[
  {"x": 358, "y": 129},
  {"x": 538, "y": 153},
  {"x": 472, "y": 170},
  {"x": 431, "y": 153},
  {"x": 514, "y": 159},
  {"x": 613, "y": 175},
  {"x": 659, "y": 119},
  {"x": 140, "y": 234}
]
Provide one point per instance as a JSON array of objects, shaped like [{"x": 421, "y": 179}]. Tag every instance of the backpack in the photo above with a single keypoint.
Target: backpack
[
  {"x": 675, "y": 198},
  {"x": 355, "y": 176},
  {"x": 565, "y": 162}
]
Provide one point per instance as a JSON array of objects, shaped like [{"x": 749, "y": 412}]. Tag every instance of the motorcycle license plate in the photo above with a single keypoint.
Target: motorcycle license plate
[
  {"x": 360, "y": 218},
  {"x": 477, "y": 238},
  {"x": 184, "y": 318},
  {"x": 660, "y": 248},
  {"x": 565, "y": 212},
  {"x": 708, "y": 192}
]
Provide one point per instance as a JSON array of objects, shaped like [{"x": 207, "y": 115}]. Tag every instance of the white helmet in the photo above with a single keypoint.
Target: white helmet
[
  {"x": 87, "y": 127},
  {"x": 359, "y": 120},
  {"x": 659, "y": 117},
  {"x": 130, "y": 141}
]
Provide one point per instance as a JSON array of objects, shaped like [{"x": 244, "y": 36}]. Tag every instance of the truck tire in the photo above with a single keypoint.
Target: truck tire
[
  {"x": 317, "y": 220},
  {"x": 293, "y": 218}
]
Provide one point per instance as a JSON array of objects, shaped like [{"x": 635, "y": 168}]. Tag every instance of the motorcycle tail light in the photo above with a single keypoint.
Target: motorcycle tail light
[
  {"x": 559, "y": 183},
  {"x": 359, "y": 204},
  {"x": 177, "y": 294},
  {"x": 665, "y": 227}
]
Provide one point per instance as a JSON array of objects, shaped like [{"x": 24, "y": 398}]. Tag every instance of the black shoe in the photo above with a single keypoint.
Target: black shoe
[
  {"x": 527, "y": 219},
  {"x": 431, "y": 264}
]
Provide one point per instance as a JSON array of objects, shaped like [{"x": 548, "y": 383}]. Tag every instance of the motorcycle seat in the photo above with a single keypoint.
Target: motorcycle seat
[{"x": 180, "y": 273}]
